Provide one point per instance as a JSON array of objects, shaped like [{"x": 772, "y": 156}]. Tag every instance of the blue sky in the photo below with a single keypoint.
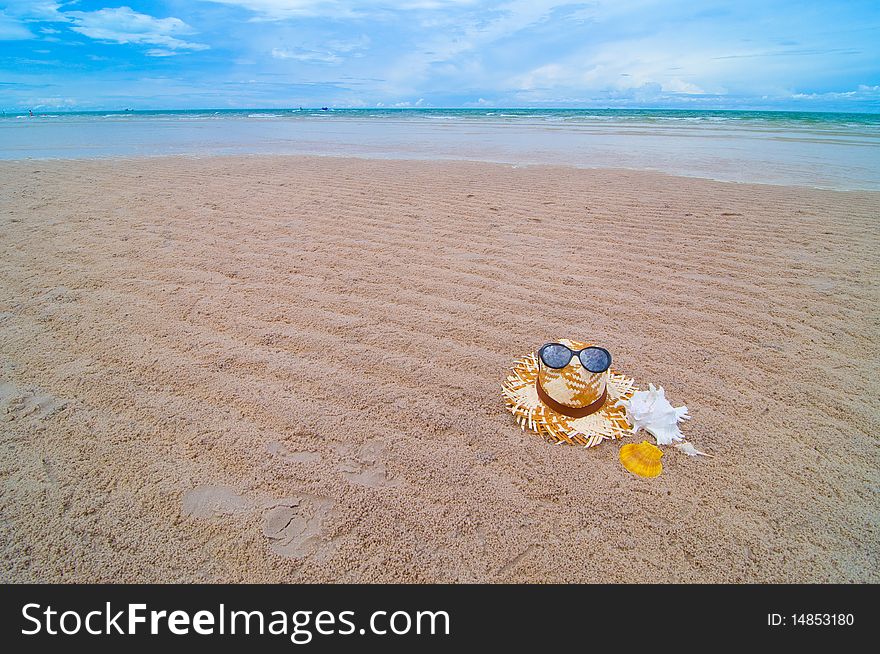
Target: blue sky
[{"x": 101, "y": 54}]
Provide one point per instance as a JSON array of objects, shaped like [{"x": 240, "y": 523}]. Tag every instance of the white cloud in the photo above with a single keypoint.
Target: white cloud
[
  {"x": 407, "y": 104},
  {"x": 13, "y": 30},
  {"x": 124, "y": 25},
  {"x": 862, "y": 93},
  {"x": 114, "y": 25},
  {"x": 15, "y": 14},
  {"x": 457, "y": 40},
  {"x": 333, "y": 52},
  {"x": 284, "y": 9},
  {"x": 42, "y": 10},
  {"x": 52, "y": 103},
  {"x": 159, "y": 52},
  {"x": 307, "y": 56},
  {"x": 280, "y": 9},
  {"x": 349, "y": 45},
  {"x": 676, "y": 85}
]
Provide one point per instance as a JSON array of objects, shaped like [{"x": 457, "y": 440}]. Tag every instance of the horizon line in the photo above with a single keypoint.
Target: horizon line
[{"x": 439, "y": 108}]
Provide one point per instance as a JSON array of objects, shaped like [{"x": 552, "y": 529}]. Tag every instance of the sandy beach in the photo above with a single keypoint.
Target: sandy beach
[{"x": 288, "y": 369}]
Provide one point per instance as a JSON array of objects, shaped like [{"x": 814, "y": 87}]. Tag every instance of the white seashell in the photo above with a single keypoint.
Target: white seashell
[
  {"x": 652, "y": 411},
  {"x": 690, "y": 450}
]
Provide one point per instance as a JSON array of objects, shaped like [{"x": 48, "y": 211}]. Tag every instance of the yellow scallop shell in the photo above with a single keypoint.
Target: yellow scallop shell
[{"x": 642, "y": 459}]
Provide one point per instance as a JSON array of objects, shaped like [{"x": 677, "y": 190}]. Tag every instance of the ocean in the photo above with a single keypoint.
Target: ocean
[{"x": 825, "y": 150}]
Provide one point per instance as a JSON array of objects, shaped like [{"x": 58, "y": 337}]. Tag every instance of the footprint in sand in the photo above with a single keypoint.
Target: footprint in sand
[
  {"x": 279, "y": 449},
  {"x": 296, "y": 527},
  {"x": 19, "y": 404},
  {"x": 212, "y": 501},
  {"x": 366, "y": 466}
]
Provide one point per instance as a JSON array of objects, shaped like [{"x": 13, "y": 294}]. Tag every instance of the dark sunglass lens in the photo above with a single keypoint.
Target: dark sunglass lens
[
  {"x": 555, "y": 356},
  {"x": 595, "y": 359}
]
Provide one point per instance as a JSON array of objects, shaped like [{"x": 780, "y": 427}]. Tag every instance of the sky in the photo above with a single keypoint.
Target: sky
[{"x": 798, "y": 55}]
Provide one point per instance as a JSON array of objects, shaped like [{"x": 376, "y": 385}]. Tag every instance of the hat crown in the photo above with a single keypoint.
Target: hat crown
[{"x": 574, "y": 385}]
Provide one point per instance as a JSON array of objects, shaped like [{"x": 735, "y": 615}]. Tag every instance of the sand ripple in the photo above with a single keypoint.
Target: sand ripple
[{"x": 288, "y": 369}]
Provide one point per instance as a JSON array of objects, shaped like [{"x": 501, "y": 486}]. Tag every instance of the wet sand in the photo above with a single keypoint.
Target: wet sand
[{"x": 289, "y": 368}]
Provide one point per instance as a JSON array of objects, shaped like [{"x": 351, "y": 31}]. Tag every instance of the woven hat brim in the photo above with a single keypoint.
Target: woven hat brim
[{"x": 608, "y": 423}]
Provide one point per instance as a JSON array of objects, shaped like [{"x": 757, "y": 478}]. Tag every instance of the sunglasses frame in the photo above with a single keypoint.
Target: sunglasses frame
[{"x": 574, "y": 354}]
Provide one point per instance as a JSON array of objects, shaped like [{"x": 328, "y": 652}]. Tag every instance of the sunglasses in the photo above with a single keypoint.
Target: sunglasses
[{"x": 556, "y": 355}]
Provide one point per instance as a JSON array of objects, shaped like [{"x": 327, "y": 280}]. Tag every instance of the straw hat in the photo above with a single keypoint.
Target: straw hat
[{"x": 567, "y": 393}]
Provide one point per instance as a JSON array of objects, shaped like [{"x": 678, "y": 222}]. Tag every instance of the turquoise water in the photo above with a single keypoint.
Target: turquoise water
[
  {"x": 834, "y": 150},
  {"x": 758, "y": 118}
]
